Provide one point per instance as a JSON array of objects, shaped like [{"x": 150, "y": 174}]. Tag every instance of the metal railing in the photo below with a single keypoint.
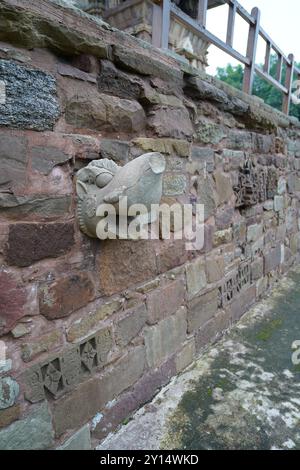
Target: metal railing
[{"x": 198, "y": 27}]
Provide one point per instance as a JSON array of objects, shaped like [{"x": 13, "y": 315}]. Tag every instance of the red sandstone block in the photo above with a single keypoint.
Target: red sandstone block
[
  {"x": 13, "y": 298},
  {"x": 67, "y": 294}
]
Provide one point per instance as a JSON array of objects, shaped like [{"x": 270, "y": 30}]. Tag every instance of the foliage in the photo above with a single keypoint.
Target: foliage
[{"x": 261, "y": 88}]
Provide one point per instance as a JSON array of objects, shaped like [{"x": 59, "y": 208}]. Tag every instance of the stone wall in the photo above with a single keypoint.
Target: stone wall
[{"x": 93, "y": 329}]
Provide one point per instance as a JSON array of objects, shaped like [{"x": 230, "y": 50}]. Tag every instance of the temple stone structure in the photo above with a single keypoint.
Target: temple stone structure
[
  {"x": 143, "y": 20},
  {"x": 90, "y": 330}
]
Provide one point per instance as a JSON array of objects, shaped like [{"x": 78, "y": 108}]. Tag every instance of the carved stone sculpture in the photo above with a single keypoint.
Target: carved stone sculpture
[{"x": 103, "y": 182}]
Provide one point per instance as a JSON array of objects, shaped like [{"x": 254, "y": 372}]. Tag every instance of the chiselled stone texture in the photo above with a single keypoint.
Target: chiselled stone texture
[
  {"x": 113, "y": 262},
  {"x": 105, "y": 112},
  {"x": 62, "y": 372},
  {"x": 163, "y": 339},
  {"x": 28, "y": 243},
  {"x": 34, "y": 432},
  {"x": 13, "y": 161},
  {"x": 65, "y": 295},
  {"x": 31, "y": 101},
  {"x": 130, "y": 325},
  {"x": 46, "y": 207},
  {"x": 163, "y": 302},
  {"x": 201, "y": 309},
  {"x": 12, "y": 300},
  {"x": 117, "y": 83},
  {"x": 44, "y": 159}
]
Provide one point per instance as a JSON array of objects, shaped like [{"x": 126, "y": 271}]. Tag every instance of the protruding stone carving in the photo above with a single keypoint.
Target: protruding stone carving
[
  {"x": 104, "y": 183},
  {"x": 256, "y": 184}
]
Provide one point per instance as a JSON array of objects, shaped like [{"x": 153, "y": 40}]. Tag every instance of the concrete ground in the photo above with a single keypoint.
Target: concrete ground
[{"x": 243, "y": 393}]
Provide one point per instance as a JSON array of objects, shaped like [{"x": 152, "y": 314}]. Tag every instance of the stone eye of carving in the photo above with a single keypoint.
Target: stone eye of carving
[{"x": 103, "y": 178}]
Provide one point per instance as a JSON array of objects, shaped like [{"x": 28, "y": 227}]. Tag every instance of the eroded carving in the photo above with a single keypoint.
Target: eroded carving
[
  {"x": 233, "y": 284},
  {"x": 256, "y": 184},
  {"x": 57, "y": 375},
  {"x": 103, "y": 182}
]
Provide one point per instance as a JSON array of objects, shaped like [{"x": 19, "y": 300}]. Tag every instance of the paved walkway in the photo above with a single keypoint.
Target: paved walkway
[{"x": 244, "y": 392}]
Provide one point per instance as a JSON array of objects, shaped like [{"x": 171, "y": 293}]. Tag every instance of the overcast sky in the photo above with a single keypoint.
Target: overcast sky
[{"x": 279, "y": 18}]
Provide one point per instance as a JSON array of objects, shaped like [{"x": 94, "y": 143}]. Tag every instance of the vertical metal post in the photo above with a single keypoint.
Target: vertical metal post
[
  {"x": 288, "y": 83},
  {"x": 202, "y": 12},
  {"x": 165, "y": 24},
  {"x": 231, "y": 24},
  {"x": 251, "y": 51}
]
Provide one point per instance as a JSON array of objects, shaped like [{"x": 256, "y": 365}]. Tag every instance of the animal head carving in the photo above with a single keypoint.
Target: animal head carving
[{"x": 103, "y": 182}]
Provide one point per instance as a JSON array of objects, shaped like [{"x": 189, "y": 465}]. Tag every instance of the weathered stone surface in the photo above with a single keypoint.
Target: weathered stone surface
[
  {"x": 105, "y": 112},
  {"x": 171, "y": 254},
  {"x": 208, "y": 132},
  {"x": 224, "y": 217},
  {"x": 9, "y": 415},
  {"x": 222, "y": 236},
  {"x": 65, "y": 295},
  {"x": 13, "y": 161},
  {"x": 257, "y": 269},
  {"x": 131, "y": 325},
  {"x": 34, "y": 432},
  {"x": 44, "y": 159},
  {"x": 234, "y": 159},
  {"x": 12, "y": 300},
  {"x": 167, "y": 146},
  {"x": 214, "y": 268},
  {"x": 223, "y": 186},
  {"x": 244, "y": 301},
  {"x": 95, "y": 393},
  {"x": 15, "y": 207},
  {"x": 28, "y": 243},
  {"x": 87, "y": 323},
  {"x": 144, "y": 64},
  {"x": 281, "y": 185},
  {"x": 203, "y": 158},
  {"x": 9, "y": 391},
  {"x": 210, "y": 331},
  {"x": 163, "y": 302},
  {"x": 201, "y": 309},
  {"x": 278, "y": 203},
  {"x": 115, "y": 149},
  {"x": 114, "y": 259},
  {"x": 174, "y": 185},
  {"x": 207, "y": 195},
  {"x": 20, "y": 330},
  {"x": 61, "y": 372},
  {"x": 31, "y": 101},
  {"x": 140, "y": 394},
  {"x": 186, "y": 356},
  {"x": 117, "y": 83},
  {"x": 170, "y": 122},
  {"x": 81, "y": 440},
  {"x": 163, "y": 339},
  {"x": 67, "y": 70},
  {"x": 195, "y": 278},
  {"x": 44, "y": 343},
  {"x": 254, "y": 232},
  {"x": 272, "y": 259},
  {"x": 197, "y": 88}
]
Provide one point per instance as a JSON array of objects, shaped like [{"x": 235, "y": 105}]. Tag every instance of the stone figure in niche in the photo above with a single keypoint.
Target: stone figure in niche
[{"x": 103, "y": 184}]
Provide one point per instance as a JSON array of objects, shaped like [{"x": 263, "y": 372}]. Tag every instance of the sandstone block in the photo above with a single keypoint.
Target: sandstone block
[
  {"x": 195, "y": 278},
  {"x": 165, "y": 301},
  {"x": 201, "y": 309},
  {"x": 130, "y": 326}
]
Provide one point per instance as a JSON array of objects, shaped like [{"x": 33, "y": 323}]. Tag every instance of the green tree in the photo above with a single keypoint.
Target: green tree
[{"x": 261, "y": 88}]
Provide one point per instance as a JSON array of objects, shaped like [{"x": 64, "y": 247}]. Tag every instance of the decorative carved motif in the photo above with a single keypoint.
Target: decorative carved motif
[
  {"x": 103, "y": 182},
  {"x": 59, "y": 374},
  {"x": 233, "y": 284},
  {"x": 256, "y": 184}
]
